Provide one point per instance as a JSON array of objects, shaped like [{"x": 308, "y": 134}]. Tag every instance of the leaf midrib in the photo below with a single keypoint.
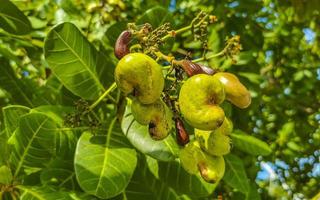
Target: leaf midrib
[
  {"x": 13, "y": 18},
  {"x": 82, "y": 62},
  {"x": 35, "y": 194},
  {"x": 28, "y": 146},
  {"x": 105, "y": 161}
]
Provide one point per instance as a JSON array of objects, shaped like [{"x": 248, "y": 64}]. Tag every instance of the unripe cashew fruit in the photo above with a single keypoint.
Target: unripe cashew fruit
[
  {"x": 215, "y": 143},
  {"x": 226, "y": 128},
  {"x": 199, "y": 101},
  {"x": 194, "y": 161},
  {"x": 157, "y": 116},
  {"x": 139, "y": 74},
  {"x": 236, "y": 92},
  {"x": 212, "y": 169},
  {"x": 188, "y": 157}
]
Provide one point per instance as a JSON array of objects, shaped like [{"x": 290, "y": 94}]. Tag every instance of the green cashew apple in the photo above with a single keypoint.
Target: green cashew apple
[
  {"x": 156, "y": 115},
  {"x": 140, "y": 75},
  {"x": 199, "y": 101},
  {"x": 195, "y": 161},
  {"x": 188, "y": 157},
  {"x": 226, "y": 128},
  {"x": 215, "y": 143},
  {"x": 212, "y": 169},
  {"x": 236, "y": 92}
]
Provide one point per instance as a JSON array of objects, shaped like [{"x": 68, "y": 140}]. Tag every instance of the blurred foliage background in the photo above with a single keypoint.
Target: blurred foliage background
[{"x": 279, "y": 63}]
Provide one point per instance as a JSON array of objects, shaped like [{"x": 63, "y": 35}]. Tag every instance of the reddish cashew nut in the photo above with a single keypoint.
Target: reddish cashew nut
[{"x": 121, "y": 47}]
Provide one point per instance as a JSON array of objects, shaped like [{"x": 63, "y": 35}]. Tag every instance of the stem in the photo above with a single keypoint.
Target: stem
[
  {"x": 110, "y": 89},
  {"x": 173, "y": 33},
  {"x": 170, "y": 78},
  {"x": 135, "y": 46},
  {"x": 221, "y": 53},
  {"x": 181, "y": 30},
  {"x": 89, "y": 25},
  {"x": 160, "y": 55},
  {"x": 166, "y": 67},
  {"x": 74, "y": 128}
]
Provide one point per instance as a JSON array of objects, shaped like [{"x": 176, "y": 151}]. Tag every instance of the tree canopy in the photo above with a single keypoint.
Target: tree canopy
[{"x": 276, "y": 144}]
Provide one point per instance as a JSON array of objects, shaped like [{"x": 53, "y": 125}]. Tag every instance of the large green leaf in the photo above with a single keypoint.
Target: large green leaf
[
  {"x": 104, "y": 164},
  {"x": 11, "y": 115},
  {"x": 174, "y": 175},
  {"x": 13, "y": 20},
  {"x": 151, "y": 16},
  {"x": 250, "y": 144},
  {"x": 19, "y": 90},
  {"x": 41, "y": 193},
  {"x": 235, "y": 174},
  {"x": 35, "y": 141},
  {"x": 139, "y": 137},
  {"x": 76, "y": 63},
  {"x": 66, "y": 145}
]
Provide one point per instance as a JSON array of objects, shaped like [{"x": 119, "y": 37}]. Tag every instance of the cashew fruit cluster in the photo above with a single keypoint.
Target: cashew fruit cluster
[
  {"x": 193, "y": 93},
  {"x": 140, "y": 77}
]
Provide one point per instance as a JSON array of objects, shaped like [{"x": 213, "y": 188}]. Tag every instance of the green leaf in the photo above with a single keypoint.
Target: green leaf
[
  {"x": 4, "y": 148},
  {"x": 286, "y": 132},
  {"x": 55, "y": 112},
  {"x": 5, "y": 175},
  {"x": 76, "y": 63},
  {"x": 139, "y": 137},
  {"x": 60, "y": 173},
  {"x": 82, "y": 196},
  {"x": 235, "y": 174},
  {"x": 245, "y": 57},
  {"x": 174, "y": 175},
  {"x": 151, "y": 16},
  {"x": 104, "y": 164},
  {"x": 19, "y": 90},
  {"x": 252, "y": 77},
  {"x": 11, "y": 115},
  {"x": 41, "y": 193},
  {"x": 66, "y": 146},
  {"x": 13, "y": 20},
  {"x": 214, "y": 40},
  {"x": 144, "y": 185},
  {"x": 253, "y": 193},
  {"x": 35, "y": 142},
  {"x": 6, "y": 52},
  {"x": 250, "y": 144}
]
